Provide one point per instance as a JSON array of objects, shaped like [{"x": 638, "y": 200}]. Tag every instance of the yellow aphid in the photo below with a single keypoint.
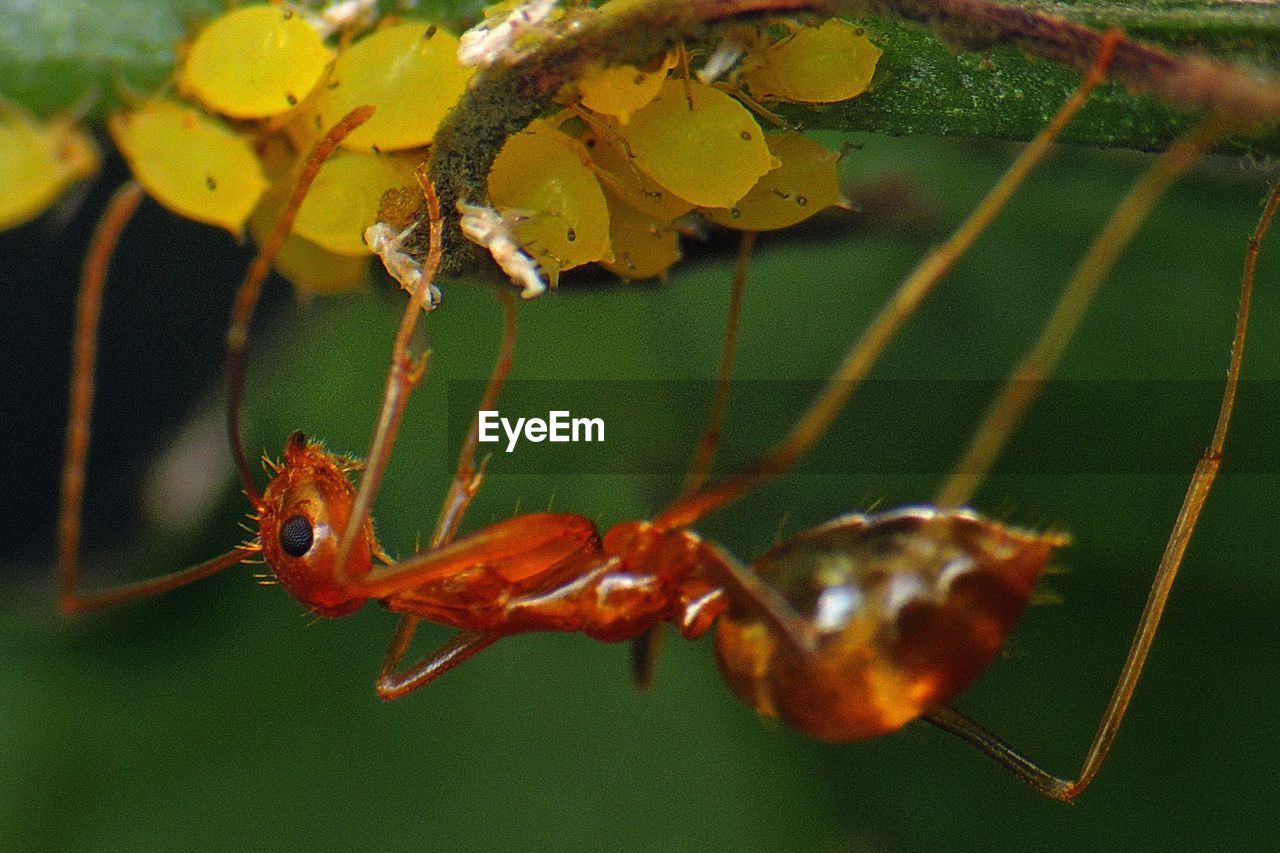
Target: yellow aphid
[
  {"x": 344, "y": 199},
  {"x": 805, "y": 184},
  {"x": 409, "y": 71},
  {"x": 642, "y": 246},
  {"x": 813, "y": 65},
  {"x": 620, "y": 90},
  {"x": 190, "y": 163},
  {"x": 307, "y": 266},
  {"x": 623, "y": 180},
  {"x": 710, "y": 154},
  {"x": 38, "y": 162},
  {"x": 255, "y": 62},
  {"x": 540, "y": 183}
]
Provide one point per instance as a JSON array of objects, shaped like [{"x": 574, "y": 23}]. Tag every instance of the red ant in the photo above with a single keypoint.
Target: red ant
[{"x": 848, "y": 630}]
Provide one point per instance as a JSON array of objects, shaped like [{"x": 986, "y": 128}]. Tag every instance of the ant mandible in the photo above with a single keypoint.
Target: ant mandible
[{"x": 846, "y": 631}]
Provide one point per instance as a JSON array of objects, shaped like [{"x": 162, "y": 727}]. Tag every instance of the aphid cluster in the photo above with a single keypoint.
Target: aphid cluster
[
  {"x": 252, "y": 92},
  {"x": 638, "y": 155},
  {"x": 262, "y": 85},
  {"x": 635, "y": 156}
]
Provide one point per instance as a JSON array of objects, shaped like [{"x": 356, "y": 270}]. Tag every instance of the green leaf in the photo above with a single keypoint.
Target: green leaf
[{"x": 924, "y": 87}]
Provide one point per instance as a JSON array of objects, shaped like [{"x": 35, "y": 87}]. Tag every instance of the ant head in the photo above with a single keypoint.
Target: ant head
[{"x": 301, "y": 517}]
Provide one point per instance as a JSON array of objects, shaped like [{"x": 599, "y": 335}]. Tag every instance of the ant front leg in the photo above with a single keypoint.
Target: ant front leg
[
  {"x": 88, "y": 314},
  {"x": 467, "y": 478},
  {"x": 950, "y": 720}
]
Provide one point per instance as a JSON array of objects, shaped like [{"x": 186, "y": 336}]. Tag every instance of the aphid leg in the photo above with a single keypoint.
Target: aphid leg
[
  {"x": 88, "y": 313},
  {"x": 467, "y": 478},
  {"x": 458, "y": 648},
  {"x": 404, "y": 373},
  {"x": 251, "y": 287},
  {"x": 685, "y": 74},
  {"x": 644, "y": 649},
  {"x": 910, "y": 293},
  {"x": 1202, "y": 479},
  {"x": 740, "y": 92}
]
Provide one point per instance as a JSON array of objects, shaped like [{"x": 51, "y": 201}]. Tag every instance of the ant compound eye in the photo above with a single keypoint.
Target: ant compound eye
[{"x": 296, "y": 536}]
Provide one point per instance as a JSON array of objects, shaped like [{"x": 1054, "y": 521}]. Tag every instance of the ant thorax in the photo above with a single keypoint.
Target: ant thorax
[
  {"x": 303, "y": 512},
  {"x": 902, "y": 610}
]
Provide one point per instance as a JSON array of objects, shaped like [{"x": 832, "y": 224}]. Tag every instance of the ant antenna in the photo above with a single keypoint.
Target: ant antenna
[{"x": 251, "y": 288}]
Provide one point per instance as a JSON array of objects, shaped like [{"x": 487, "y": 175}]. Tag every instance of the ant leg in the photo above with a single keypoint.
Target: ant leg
[
  {"x": 466, "y": 482},
  {"x": 1197, "y": 492},
  {"x": 458, "y": 648},
  {"x": 704, "y": 453},
  {"x": 405, "y": 373},
  {"x": 251, "y": 287},
  {"x": 863, "y": 354},
  {"x": 468, "y": 475},
  {"x": 88, "y": 313},
  {"x": 644, "y": 657},
  {"x": 645, "y": 648},
  {"x": 745, "y": 588},
  {"x": 1024, "y": 384}
]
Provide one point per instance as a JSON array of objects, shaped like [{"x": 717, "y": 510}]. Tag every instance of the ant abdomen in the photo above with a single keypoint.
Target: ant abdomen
[{"x": 890, "y": 615}]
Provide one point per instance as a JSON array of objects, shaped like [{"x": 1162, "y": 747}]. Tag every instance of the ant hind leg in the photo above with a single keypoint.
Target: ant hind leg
[
  {"x": 948, "y": 719},
  {"x": 911, "y": 292}
]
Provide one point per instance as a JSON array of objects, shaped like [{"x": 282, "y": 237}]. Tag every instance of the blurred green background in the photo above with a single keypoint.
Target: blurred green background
[{"x": 222, "y": 716}]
